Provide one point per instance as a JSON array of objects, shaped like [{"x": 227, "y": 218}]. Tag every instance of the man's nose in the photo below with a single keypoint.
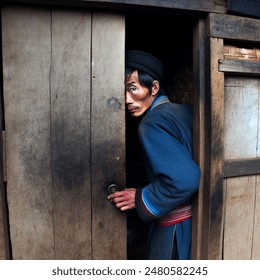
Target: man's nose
[{"x": 128, "y": 98}]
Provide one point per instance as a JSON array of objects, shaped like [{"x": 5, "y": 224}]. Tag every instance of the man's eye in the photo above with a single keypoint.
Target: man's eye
[{"x": 133, "y": 88}]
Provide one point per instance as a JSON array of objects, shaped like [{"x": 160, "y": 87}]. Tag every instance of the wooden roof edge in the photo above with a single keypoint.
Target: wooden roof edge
[{"x": 219, "y": 6}]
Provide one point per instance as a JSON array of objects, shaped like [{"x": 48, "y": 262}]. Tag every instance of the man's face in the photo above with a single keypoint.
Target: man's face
[{"x": 138, "y": 98}]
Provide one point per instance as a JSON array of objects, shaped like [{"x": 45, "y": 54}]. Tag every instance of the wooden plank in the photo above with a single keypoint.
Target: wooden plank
[
  {"x": 4, "y": 230},
  {"x": 5, "y": 249},
  {"x": 235, "y": 168},
  {"x": 258, "y": 127},
  {"x": 234, "y": 27},
  {"x": 248, "y": 7},
  {"x": 241, "y": 117},
  {"x": 256, "y": 240},
  {"x": 251, "y": 68},
  {"x": 213, "y": 198},
  {"x": 2, "y": 223},
  {"x": 198, "y": 132},
  {"x": 107, "y": 134},
  {"x": 26, "y": 71},
  {"x": 70, "y": 127},
  {"x": 256, "y": 232},
  {"x": 194, "y": 5},
  {"x": 239, "y": 218}
]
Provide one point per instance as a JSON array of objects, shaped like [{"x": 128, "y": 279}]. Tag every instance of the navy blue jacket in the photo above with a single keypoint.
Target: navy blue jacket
[{"x": 166, "y": 136}]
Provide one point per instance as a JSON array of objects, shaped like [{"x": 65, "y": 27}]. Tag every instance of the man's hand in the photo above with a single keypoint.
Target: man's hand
[{"x": 124, "y": 200}]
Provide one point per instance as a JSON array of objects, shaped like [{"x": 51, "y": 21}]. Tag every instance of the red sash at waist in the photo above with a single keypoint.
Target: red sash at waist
[{"x": 175, "y": 216}]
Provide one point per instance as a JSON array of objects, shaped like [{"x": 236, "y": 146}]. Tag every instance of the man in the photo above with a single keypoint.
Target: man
[{"x": 165, "y": 134}]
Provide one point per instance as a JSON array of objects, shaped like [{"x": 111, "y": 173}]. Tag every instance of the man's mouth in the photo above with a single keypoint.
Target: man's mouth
[{"x": 132, "y": 109}]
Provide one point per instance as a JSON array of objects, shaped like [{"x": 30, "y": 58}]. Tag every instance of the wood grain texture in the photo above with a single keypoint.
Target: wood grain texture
[
  {"x": 241, "y": 117},
  {"x": 107, "y": 134},
  {"x": 241, "y": 140},
  {"x": 247, "y": 68},
  {"x": 241, "y": 167},
  {"x": 256, "y": 232},
  {"x": 198, "y": 133},
  {"x": 70, "y": 133},
  {"x": 239, "y": 217},
  {"x": 234, "y": 27},
  {"x": 213, "y": 195},
  {"x": 26, "y": 63},
  {"x": 219, "y": 6},
  {"x": 65, "y": 129}
]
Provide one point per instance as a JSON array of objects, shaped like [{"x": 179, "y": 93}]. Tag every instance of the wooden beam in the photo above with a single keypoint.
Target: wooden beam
[
  {"x": 234, "y": 27},
  {"x": 247, "y": 67},
  {"x": 214, "y": 134},
  {"x": 244, "y": 7},
  {"x": 198, "y": 132},
  {"x": 191, "y": 5},
  {"x": 241, "y": 167}
]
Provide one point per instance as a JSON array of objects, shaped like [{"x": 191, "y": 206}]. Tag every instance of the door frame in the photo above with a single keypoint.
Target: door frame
[{"x": 209, "y": 72}]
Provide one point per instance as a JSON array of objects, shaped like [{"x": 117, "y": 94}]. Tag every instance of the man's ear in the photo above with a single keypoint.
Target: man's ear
[{"x": 155, "y": 87}]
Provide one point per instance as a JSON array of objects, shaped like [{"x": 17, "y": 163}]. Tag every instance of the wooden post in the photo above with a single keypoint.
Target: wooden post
[
  {"x": 198, "y": 132},
  {"x": 213, "y": 193}
]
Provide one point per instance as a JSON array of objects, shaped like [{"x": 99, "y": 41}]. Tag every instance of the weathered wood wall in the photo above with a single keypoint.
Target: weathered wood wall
[
  {"x": 241, "y": 140},
  {"x": 224, "y": 194}
]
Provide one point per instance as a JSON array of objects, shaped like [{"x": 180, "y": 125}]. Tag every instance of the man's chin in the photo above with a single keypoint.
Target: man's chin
[{"x": 135, "y": 114}]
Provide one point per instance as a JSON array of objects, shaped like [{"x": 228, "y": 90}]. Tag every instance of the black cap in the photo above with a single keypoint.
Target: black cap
[{"x": 145, "y": 62}]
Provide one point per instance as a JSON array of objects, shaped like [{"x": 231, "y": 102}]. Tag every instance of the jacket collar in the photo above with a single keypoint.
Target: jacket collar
[{"x": 158, "y": 101}]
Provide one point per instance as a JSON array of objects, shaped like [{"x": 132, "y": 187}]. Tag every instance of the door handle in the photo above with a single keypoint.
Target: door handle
[{"x": 113, "y": 188}]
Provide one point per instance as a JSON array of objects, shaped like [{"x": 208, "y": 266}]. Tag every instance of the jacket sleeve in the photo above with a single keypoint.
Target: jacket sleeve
[{"x": 175, "y": 174}]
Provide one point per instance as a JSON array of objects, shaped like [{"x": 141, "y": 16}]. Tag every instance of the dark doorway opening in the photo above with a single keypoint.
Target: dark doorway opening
[{"x": 169, "y": 38}]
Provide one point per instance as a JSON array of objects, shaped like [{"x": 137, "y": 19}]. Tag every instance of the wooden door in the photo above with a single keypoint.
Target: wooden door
[
  {"x": 64, "y": 125},
  {"x": 228, "y": 212}
]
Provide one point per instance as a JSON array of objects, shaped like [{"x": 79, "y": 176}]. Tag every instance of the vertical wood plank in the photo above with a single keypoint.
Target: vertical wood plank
[
  {"x": 70, "y": 133},
  {"x": 107, "y": 134},
  {"x": 4, "y": 231},
  {"x": 198, "y": 132},
  {"x": 241, "y": 117},
  {"x": 5, "y": 250},
  {"x": 26, "y": 70},
  {"x": 213, "y": 195},
  {"x": 258, "y": 127},
  {"x": 239, "y": 218},
  {"x": 4, "y": 236},
  {"x": 256, "y": 239},
  {"x": 256, "y": 231}
]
